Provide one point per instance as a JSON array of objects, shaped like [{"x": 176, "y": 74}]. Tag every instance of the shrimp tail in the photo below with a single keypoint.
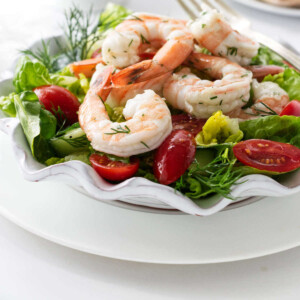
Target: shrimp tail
[{"x": 140, "y": 72}]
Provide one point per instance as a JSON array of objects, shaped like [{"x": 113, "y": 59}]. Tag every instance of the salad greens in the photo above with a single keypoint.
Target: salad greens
[
  {"x": 289, "y": 80},
  {"x": 265, "y": 56},
  {"x": 219, "y": 129},
  {"x": 7, "y": 105},
  {"x": 29, "y": 75},
  {"x": 39, "y": 125},
  {"x": 215, "y": 168},
  {"x": 216, "y": 176},
  {"x": 285, "y": 129}
]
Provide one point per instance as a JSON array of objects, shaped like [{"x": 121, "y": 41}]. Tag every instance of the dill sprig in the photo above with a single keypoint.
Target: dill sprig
[
  {"x": 269, "y": 110},
  {"x": 80, "y": 36},
  {"x": 44, "y": 56},
  {"x": 218, "y": 176},
  {"x": 119, "y": 129}
]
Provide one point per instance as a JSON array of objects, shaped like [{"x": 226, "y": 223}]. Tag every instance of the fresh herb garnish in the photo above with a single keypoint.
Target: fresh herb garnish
[
  {"x": 144, "y": 40},
  {"x": 119, "y": 129},
  {"x": 269, "y": 110},
  {"x": 218, "y": 176},
  {"x": 43, "y": 55},
  {"x": 145, "y": 144},
  {"x": 232, "y": 51}
]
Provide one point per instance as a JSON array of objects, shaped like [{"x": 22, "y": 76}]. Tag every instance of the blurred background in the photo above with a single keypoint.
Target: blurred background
[{"x": 23, "y": 22}]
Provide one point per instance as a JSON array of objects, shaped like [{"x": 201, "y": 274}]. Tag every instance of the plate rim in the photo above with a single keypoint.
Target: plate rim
[{"x": 284, "y": 11}]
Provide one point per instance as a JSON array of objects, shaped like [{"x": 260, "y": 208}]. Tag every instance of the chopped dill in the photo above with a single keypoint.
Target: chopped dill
[
  {"x": 145, "y": 144},
  {"x": 144, "y": 40},
  {"x": 232, "y": 51},
  {"x": 119, "y": 129}
]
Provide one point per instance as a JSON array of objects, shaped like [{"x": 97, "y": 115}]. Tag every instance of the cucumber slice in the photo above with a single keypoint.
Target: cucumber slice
[{"x": 73, "y": 140}]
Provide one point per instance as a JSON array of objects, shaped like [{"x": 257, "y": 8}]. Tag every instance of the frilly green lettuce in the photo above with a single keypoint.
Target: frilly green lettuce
[
  {"x": 289, "y": 80},
  {"x": 7, "y": 105},
  {"x": 285, "y": 129},
  {"x": 30, "y": 74}
]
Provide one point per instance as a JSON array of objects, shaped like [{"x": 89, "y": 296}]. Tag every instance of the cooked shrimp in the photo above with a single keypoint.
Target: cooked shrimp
[
  {"x": 122, "y": 46},
  {"x": 202, "y": 98},
  {"x": 268, "y": 97},
  {"x": 148, "y": 121},
  {"x": 260, "y": 72},
  {"x": 214, "y": 33},
  {"x": 117, "y": 95}
]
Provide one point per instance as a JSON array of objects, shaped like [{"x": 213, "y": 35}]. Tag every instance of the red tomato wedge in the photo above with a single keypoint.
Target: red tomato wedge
[
  {"x": 268, "y": 155},
  {"x": 87, "y": 66},
  {"x": 291, "y": 109},
  {"x": 60, "y": 101},
  {"x": 188, "y": 123},
  {"x": 174, "y": 156},
  {"x": 114, "y": 170}
]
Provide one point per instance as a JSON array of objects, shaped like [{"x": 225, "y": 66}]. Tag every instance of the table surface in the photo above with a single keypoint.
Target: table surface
[{"x": 33, "y": 268}]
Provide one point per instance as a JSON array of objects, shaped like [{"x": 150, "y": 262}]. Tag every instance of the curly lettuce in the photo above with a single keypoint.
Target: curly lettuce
[
  {"x": 265, "y": 56},
  {"x": 289, "y": 80},
  {"x": 30, "y": 74},
  {"x": 285, "y": 129}
]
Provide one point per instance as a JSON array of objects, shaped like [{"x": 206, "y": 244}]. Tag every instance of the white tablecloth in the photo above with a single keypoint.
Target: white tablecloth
[{"x": 33, "y": 268}]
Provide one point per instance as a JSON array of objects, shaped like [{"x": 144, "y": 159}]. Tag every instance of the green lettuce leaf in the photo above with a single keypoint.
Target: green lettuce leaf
[
  {"x": 112, "y": 15},
  {"x": 81, "y": 156},
  {"x": 7, "y": 105},
  {"x": 265, "y": 56},
  {"x": 39, "y": 125},
  {"x": 285, "y": 129},
  {"x": 30, "y": 74},
  {"x": 289, "y": 80},
  {"x": 219, "y": 129}
]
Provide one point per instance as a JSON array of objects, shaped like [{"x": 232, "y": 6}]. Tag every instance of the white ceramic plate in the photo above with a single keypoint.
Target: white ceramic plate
[
  {"x": 60, "y": 214},
  {"x": 295, "y": 12}
]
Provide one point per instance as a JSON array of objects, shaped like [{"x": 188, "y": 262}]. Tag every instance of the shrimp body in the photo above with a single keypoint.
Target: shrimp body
[
  {"x": 213, "y": 32},
  {"x": 200, "y": 97},
  {"x": 139, "y": 31},
  {"x": 117, "y": 95},
  {"x": 271, "y": 94},
  {"x": 266, "y": 95},
  {"x": 148, "y": 121}
]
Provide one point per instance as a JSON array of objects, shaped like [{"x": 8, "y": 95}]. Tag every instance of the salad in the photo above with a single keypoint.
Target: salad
[{"x": 190, "y": 104}]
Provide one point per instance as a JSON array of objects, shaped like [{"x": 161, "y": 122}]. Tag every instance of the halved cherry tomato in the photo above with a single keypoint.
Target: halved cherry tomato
[
  {"x": 291, "y": 109},
  {"x": 87, "y": 66},
  {"x": 60, "y": 101},
  {"x": 113, "y": 170},
  {"x": 188, "y": 123},
  {"x": 174, "y": 156},
  {"x": 268, "y": 155},
  {"x": 146, "y": 55},
  {"x": 96, "y": 53}
]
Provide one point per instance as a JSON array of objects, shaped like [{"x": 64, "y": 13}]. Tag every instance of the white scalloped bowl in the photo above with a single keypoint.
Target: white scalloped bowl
[{"x": 138, "y": 193}]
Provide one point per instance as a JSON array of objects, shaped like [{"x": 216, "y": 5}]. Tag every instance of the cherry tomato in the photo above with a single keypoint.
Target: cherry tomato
[
  {"x": 113, "y": 170},
  {"x": 58, "y": 100},
  {"x": 291, "y": 109},
  {"x": 268, "y": 155},
  {"x": 146, "y": 55},
  {"x": 188, "y": 123},
  {"x": 97, "y": 53},
  {"x": 174, "y": 156}
]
